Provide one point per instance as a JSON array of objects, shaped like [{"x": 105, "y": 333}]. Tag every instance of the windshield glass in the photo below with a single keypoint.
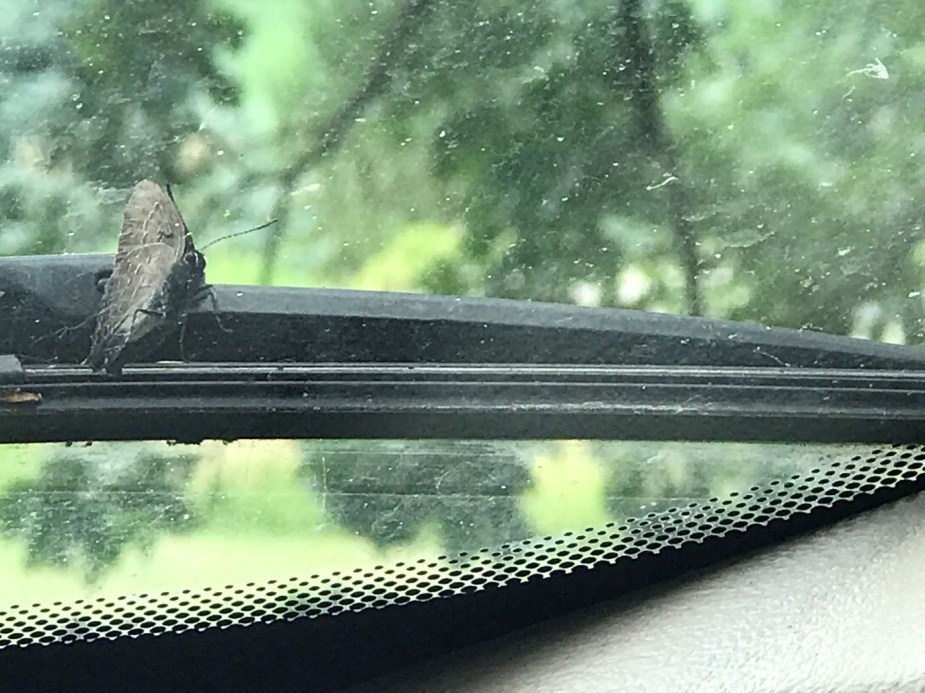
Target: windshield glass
[
  {"x": 747, "y": 161},
  {"x": 128, "y": 518},
  {"x": 685, "y": 156}
]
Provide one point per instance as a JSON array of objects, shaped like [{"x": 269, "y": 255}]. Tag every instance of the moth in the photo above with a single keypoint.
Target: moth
[{"x": 158, "y": 276}]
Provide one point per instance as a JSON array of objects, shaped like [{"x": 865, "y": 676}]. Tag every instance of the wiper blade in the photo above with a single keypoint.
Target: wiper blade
[
  {"x": 45, "y": 303},
  {"x": 190, "y": 403}
]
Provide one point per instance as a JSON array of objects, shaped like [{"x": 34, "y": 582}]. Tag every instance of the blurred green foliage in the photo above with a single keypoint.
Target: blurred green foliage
[
  {"x": 84, "y": 508},
  {"x": 390, "y": 490},
  {"x": 755, "y": 161}
]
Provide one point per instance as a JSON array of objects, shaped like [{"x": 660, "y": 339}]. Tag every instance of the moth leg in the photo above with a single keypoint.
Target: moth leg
[
  {"x": 215, "y": 313},
  {"x": 182, "y": 337},
  {"x": 62, "y": 331},
  {"x": 145, "y": 311},
  {"x": 183, "y": 323},
  {"x": 101, "y": 282},
  {"x": 201, "y": 294}
]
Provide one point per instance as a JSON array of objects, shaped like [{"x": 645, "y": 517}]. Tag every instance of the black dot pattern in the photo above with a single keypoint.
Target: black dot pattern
[{"x": 838, "y": 481}]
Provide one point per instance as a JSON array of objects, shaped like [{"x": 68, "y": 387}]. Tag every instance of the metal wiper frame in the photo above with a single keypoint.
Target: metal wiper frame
[{"x": 301, "y": 363}]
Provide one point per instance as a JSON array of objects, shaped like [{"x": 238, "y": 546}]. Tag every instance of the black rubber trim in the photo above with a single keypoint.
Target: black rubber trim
[{"x": 190, "y": 403}]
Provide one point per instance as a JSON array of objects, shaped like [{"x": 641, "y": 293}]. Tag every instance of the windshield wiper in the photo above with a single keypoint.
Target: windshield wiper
[
  {"x": 284, "y": 362},
  {"x": 45, "y": 303}
]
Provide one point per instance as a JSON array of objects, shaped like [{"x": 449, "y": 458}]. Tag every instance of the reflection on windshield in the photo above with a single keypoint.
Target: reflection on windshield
[
  {"x": 122, "y": 518},
  {"x": 739, "y": 160}
]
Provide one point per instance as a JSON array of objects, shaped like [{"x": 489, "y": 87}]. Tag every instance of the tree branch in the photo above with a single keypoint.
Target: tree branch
[
  {"x": 376, "y": 81},
  {"x": 651, "y": 122}
]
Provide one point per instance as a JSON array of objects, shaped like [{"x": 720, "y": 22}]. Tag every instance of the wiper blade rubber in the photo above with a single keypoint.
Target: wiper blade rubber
[{"x": 190, "y": 403}]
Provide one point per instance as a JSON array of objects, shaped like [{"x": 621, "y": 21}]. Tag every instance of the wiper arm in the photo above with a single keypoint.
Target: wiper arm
[{"x": 45, "y": 299}]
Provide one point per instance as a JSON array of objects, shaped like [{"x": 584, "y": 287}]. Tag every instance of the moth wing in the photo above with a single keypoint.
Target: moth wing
[{"x": 151, "y": 243}]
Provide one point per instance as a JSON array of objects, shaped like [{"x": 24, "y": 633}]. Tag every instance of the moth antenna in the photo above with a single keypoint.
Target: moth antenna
[
  {"x": 239, "y": 233},
  {"x": 230, "y": 235}
]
